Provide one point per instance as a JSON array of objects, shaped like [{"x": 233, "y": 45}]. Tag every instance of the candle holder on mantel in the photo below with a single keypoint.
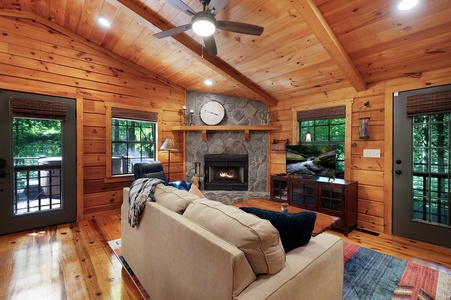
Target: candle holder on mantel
[{"x": 364, "y": 122}]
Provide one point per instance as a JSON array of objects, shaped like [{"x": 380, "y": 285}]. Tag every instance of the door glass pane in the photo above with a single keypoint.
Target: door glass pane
[
  {"x": 430, "y": 161},
  {"x": 37, "y": 165}
]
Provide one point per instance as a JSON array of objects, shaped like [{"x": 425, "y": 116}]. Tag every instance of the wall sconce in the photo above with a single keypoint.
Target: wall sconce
[
  {"x": 364, "y": 122},
  {"x": 308, "y": 136}
]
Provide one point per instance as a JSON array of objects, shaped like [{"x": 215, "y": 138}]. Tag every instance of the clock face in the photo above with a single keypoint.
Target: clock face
[{"x": 212, "y": 113}]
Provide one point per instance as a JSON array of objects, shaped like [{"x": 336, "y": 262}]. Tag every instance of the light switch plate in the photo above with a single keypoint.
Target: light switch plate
[{"x": 371, "y": 152}]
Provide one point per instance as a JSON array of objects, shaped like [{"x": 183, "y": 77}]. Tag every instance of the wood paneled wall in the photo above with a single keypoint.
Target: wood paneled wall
[
  {"x": 52, "y": 61},
  {"x": 373, "y": 174}
]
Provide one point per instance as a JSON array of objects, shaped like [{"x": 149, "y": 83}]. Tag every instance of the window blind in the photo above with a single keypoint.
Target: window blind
[
  {"x": 131, "y": 114},
  {"x": 322, "y": 113},
  {"x": 37, "y": 109},
  {"x": 428, "y": 104}
]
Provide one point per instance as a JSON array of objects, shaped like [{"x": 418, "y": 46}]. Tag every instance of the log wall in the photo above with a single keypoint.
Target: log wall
[
  {"x": 373, "y": 174},
  {"x": 38, "y": 59}
]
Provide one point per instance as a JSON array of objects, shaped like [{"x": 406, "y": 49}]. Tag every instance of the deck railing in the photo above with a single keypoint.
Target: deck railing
[{"x": 36, "y": 187}]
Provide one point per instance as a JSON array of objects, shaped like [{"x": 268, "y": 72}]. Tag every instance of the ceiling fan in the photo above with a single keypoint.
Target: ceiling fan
[{"x": 204, "y": 23}]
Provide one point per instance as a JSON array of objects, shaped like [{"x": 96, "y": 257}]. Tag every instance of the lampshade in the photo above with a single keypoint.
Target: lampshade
[
  {"x": 308, "y": 136},
  {"x": 203, "y": 24},
  {"x": 169, "y": 144}
]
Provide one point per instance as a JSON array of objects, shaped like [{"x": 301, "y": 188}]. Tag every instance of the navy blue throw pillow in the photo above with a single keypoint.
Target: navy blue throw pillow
[
  {"x": 295, "y": 229},
  {"x": 181, "y": 185}
]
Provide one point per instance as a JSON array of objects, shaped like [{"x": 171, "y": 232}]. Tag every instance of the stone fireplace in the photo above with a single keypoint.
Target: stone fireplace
[{"x": 242, "y": 112}]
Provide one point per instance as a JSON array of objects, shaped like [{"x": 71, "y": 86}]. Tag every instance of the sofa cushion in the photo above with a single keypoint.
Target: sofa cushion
[
  {"x": 257, "y": 238},
  {"x": 173, "y": 198},
  {"x": 295, "y": 229}
]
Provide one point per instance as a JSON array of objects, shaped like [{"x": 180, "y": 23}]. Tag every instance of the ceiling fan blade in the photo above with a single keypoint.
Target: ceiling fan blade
[
  {"x": 215, "y": 6},
  {"x": 240, "y": 27},
  {"x": 172, "y": 31},
  {"x": 210, "y": 45},
  {"x": 182, "y": 6}
]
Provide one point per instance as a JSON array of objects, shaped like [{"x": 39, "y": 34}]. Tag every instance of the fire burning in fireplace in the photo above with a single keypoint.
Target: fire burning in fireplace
[{"x": 228, "y": 174}]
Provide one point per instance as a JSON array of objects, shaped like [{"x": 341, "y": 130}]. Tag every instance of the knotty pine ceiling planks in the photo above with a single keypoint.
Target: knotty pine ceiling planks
[{"x": 287, "y": 62}]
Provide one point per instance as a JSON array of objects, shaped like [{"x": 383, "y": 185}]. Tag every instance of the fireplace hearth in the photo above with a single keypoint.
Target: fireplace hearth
[{"x": 226, "y": 172}]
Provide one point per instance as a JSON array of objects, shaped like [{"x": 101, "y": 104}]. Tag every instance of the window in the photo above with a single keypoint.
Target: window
[
  {"x": 133, "y": 139},
  {"x": 326, "y": 126}
]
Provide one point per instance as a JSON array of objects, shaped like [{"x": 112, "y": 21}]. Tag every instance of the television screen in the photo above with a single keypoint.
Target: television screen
[{"x": 311, "y": 160}]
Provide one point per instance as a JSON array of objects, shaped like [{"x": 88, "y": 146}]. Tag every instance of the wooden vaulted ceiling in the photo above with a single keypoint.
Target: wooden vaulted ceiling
[{"x": 308, "y": 46}]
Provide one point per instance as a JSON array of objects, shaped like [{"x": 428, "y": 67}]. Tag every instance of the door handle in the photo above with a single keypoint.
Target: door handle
[{"x": 398, "y": 172}]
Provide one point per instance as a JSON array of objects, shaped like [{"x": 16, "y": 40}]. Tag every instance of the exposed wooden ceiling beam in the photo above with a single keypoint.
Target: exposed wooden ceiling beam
[
  {"x": 190, "y": 46},
  {"x": 314, "y": 18}
]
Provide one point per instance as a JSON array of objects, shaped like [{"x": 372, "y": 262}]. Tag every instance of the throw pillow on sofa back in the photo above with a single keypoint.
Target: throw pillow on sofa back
[{"x": 295, "y": 229}]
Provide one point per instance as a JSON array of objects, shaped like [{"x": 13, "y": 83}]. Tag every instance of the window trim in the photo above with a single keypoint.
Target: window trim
[
  {"x": 108, "y": 141},
  {"x": 348, "y": 126}
]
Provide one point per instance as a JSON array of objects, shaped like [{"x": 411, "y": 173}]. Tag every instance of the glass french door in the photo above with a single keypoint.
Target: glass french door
[
  {"x": 37, "y": 162},
  {"x": 422, "y": 172}
]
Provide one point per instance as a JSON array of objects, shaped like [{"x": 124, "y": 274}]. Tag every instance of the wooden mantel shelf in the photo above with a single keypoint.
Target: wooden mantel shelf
[{"x": 246, "y": 129}]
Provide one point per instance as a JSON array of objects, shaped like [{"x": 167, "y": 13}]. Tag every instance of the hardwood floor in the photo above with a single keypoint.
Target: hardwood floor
[
  {"x": 74, "y": 261},
  {"x": 69, "y": 261}
]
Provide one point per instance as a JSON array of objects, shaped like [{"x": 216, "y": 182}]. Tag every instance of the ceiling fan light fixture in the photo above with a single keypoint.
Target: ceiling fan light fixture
[{"x": 203, "y": 24}]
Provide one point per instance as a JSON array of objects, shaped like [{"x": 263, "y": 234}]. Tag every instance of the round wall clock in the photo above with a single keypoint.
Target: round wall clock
[{"x": 212, "y": 113}]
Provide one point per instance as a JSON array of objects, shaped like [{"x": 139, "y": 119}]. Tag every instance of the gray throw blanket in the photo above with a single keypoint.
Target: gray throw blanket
[{"x": 141, "y": 191}]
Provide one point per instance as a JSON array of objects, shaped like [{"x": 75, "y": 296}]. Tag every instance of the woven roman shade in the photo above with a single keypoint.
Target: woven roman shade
[
  {"x": 322, "y": 113},
  {"x": 38, "y": 109},
  {"x": 131, "y": 114},
  {"x": 428, "y": 104}
]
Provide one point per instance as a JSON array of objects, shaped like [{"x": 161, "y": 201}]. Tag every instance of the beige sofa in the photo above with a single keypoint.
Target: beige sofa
[{"x": 176, "y": 258}]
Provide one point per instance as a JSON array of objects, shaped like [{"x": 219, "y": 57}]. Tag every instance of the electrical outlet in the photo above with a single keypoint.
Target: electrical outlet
[{"x": 371, "y": 152}]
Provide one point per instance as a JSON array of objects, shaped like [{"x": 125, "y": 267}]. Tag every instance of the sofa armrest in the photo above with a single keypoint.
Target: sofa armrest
[{"x": 314, "y": 271}]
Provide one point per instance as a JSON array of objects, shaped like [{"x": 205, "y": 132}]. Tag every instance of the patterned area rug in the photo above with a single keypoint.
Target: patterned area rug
[
  {"x": 369, "y": 275},
  {"x": 373, "y": 275}
]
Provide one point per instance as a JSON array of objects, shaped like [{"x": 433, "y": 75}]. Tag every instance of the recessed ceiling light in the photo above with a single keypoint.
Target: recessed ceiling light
[
  {"x": 407, "y": 4},
  {"x": 208, "y": 82},
  {"x": 102, "y": 20}
]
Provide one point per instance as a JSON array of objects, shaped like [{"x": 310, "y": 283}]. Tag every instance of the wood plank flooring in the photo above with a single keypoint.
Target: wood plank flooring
[{"x": 74, "y": 261}]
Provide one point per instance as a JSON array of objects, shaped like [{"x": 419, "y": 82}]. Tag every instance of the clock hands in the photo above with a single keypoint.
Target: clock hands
[{"x": 210, "y": 112}]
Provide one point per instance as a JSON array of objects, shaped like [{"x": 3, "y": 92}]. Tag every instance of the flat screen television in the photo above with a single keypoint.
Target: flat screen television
[{"x": 311, "y": 161}]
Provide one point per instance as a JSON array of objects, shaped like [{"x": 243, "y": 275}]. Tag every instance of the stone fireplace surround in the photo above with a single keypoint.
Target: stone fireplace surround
[{"x": 239, "y": 111}]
